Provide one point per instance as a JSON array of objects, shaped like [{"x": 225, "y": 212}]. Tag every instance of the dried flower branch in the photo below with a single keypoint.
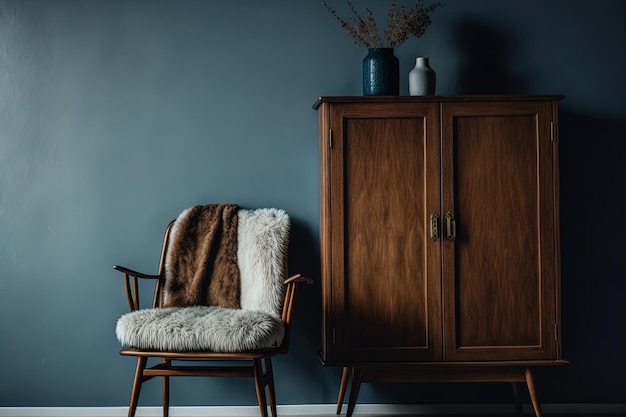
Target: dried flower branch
[{"x": 401, "y": 24}]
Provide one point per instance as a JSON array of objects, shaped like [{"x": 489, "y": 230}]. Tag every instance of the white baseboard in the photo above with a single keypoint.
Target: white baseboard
[{"x": 311, "y": 410}]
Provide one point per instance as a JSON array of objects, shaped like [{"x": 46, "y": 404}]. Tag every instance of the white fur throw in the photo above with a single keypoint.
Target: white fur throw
[{"x": 263, "y": 237}]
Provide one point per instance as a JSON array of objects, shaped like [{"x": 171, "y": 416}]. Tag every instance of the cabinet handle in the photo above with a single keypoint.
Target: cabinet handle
[
  {"x": 434, "y": 226},
  {"x": 450, "y": 226}
]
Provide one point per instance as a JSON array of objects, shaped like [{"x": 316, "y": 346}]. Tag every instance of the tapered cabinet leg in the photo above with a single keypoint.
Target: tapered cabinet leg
[
  {"x": 530, "y": 383},
  {"x": 345, "y": 376},
  {"x": 518, "y": 404},
  {"x": 134, "y": 396},
  {"x": 260, "y": 386},
  {"x": 357, "y": 377}
]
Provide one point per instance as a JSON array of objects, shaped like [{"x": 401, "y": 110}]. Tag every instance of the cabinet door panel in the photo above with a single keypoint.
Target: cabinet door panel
[
  {"x": 385, "y": 279},
  {"x": 499, "y": 273}
]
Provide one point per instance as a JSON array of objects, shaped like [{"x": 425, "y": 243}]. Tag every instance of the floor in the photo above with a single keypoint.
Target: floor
[
  {"x": 617, "y": 412},
  {"x": 513, "y": 414}
]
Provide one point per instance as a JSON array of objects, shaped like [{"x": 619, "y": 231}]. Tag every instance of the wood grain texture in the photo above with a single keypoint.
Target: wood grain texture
[
  {"x": 393, "y": 294},
  {"x": 380, "y": 174},
  {"x": 497, "y": 246},
  {"x": 499, "y": 275},
  {"x": 385, "y": 282}
]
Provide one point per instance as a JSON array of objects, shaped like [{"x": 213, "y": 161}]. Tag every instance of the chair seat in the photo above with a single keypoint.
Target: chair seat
[{"x": 200, "y": 328}]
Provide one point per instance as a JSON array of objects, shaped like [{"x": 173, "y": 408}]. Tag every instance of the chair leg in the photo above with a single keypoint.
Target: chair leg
[
  {"x": 259, "y": 385},
  {"x": 345, "y": 376},
  {"x": 270, "y": 386},
  {"x": 357, "y": 376},
  {"x": 518, "y": 404},
  {"x": 134, "y": 396},
  {"x": 533, "y": 393},
  {"x": 165, "y": 391}
]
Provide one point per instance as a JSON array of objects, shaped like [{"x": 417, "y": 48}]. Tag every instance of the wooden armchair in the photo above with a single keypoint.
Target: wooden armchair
[{"x": 264, "y": 330}]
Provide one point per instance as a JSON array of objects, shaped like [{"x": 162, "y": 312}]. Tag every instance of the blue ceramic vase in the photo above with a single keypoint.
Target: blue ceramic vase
[{"x": 381, "y": 73}]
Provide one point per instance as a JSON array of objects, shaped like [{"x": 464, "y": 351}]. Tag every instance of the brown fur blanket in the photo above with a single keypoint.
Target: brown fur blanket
[{"x": 201, "y": 261}]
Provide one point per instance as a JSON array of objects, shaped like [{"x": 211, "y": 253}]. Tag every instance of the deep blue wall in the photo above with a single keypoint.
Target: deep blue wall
[{"x": 117, "y": 115}]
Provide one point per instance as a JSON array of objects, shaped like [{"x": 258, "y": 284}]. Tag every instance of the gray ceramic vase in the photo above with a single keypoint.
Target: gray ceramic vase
[{"x": 422, "y": 78}]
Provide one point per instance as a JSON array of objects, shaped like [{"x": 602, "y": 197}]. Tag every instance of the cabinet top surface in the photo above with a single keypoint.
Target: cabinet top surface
[{"x": 426, "y": 99}]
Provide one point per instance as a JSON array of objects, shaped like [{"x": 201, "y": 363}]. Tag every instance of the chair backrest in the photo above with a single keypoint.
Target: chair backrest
[{"x": 262, "y": 243}]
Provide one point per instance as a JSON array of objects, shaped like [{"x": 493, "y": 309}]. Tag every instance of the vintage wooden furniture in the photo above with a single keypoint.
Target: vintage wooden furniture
[
  {"x": 255, "y": 363},
  {"x": 439, "y": 238}
]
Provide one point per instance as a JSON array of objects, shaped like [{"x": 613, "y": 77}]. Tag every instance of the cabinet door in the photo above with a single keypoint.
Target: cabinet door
[
  {"x": 380, "y": 266},
  {"x": 500, "y": 274}
]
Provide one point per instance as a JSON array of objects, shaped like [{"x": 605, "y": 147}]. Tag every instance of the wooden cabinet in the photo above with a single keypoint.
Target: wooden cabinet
[{"x": 439, "y": 237}]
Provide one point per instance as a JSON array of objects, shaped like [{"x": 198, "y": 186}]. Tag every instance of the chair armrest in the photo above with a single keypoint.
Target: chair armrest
[
  {"x": 134, "y": 273},
  {"x": 132, "y": 292},
  {"x": 298, "y": 278},
  {"x": 290, "y": 293}
]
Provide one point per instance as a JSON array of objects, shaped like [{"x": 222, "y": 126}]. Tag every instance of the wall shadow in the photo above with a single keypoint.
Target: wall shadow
[
  {"x": 593, "y": 266},
  {"x": 485, "y": 52},
  {"x": 304, "y": 258},
  {"x": 303, "y": 359}
]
